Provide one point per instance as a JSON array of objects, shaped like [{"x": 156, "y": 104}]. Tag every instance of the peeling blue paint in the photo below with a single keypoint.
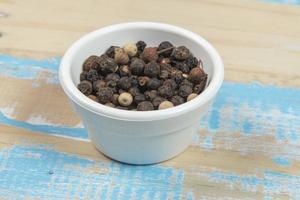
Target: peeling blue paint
[{"x": 24, "y": 174}]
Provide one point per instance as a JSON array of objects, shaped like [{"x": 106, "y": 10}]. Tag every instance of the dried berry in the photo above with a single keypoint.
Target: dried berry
[
  {"x": 152, "y": 69},
  {"x": 134, "y": 91},
  {"x": 90, "y": 63},
  {"x": 150, "y": 95},
  {"x": 165, "y": 46},
  {"x": 177, "y": 100},
  {"x": 157, "y": 100},
  {"x": 141, "y": 46},
  {"x": 200, "y": 87},
  {"x": 153, "y": 84},
  {"x": 181, "y": 53},
  {"x": 98, "y": 84},
  {"x": 185, "y": 90},
  {"x": 145, "y": 106},
  {"x": 165, "y": 105},
  {"x": 93, "y": 97},
  {"x": 105, "y": 94},
  {"x": 83, "y": 75},
  {"x": 134, "y": 80},
  {"x": 165, "y": 91},
  {"x": 176, "y": 75},
  {"x": 112, "y": 77},
  {"x": 124, "y": 70},
  {"x": 187, "y": 82},
  {"x": 191, "y": 62},
  {"x": 137, "y": 66},
  {"x": 110, "y": 52},
  {"x": 164, "y": 74},
  {"x": 197, "y": 75},
  {"x": 143, "y": 80},
  {"x": 114, "y": 99},
  {"x": 149, "y": 54},
  {"x": 124, "y": 83},
  {"x": 191, "y": 96},
  {"x": 125, "y": 99},
  {"x": 121, "y": 57},
  {"x": 85, "y": 87},
  {"x": 92, "y": 75},
  {"x": 182, "y": 66},
  {"x": 139, "y": 98},
  {"x": 171, "y": 83},
  {"x": 112, "y": 84},
  {"x": 107, "y": 65},
  {"x": 130, "y": 49}
]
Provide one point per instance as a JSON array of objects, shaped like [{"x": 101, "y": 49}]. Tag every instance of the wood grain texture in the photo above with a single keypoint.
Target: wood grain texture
[{"x": 247, "y": 146}]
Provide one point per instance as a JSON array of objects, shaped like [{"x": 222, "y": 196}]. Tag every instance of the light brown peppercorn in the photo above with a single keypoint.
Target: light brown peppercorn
[
  {"x": 114, "y": 99},
  {"x": 191, "y": 96},
  {"x": 124, "y": 70},
  {"x": 143, "y": 80},
  {"x": 181, "y": 53},
  {"x": 177, "y": 100},
  {"x": 157, "y": 100},
  {"x": 110, "y": 104},
  {"x": 145, "y": 106},
  {"x": 105, "y": 94},
  {"x": 93, "y": 97},
  {"x": 121, "y": 57},
  {"x": 130, "y": 49},
  {"x": 149, "y": 54},
  {"x": 98, "y": 84},
  {"x": 196, "y": 75},
  {"x": 165, "y": 105},
  {"x": 107, "y": 65},
  {"x": 125, "y": 99}
]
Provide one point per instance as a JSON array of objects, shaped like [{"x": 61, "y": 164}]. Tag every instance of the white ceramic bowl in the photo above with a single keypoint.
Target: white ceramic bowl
[{"x": 138, "y": 137}]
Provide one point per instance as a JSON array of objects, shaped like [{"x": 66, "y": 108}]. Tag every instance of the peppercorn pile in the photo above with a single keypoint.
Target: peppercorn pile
[{"x": 137, "y": 77}]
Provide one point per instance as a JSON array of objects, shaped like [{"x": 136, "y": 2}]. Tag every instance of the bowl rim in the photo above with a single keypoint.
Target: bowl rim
[{"x": 76, "y": 96}]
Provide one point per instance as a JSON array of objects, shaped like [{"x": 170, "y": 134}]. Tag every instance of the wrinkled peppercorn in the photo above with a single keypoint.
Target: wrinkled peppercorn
[
  {"x": 98, "y": 84},
  {"x": 105, "y": 94},
  {"x": 200, "y": 87},
  {"x": 187, "y": 82},
  {"x": 137, "y": 66},
  {"x": 110, "y": 52},
  {"x": 165, "y": 45},
  {"x": 185, "y": 90},
  {"x": 150, "y": 95},
  {"x": 152, "y": 69},
  {"x": 114, "y": 99},
  {"x": 124, "y": 83},
  {"x": 177, "y": 100},
  {"x": 181, "y": 53},
  {"x": 134, "y": 80},
  {"x": 134, "y": 91},
  {"x": 176, "y": 75},
  {"x": 92, "y": 75},
  {"x": 140, "y": 46},
  {"x": 112, "y": 77},
  {"x": 191, "y": 62},
  {"x": 197, "y": 75},
  {"x": 90, "y": 63},
  {"x": 121, "y": 57},
  {"x": 83, "y": 75},
  {"x": 157, "y": 100},
  {"x": 182, "y": 66},
  {"x": 145, "y": 106},
  {"x": 124, "y": 70},
  {"x": 149, "y": 54},
  {"x": 112, "y": 84},
  {"x": 164, "y": 74},
  {"x": 171, "y": 83},
  {"x": 139, "y": 98},
  {"x": 130, "y": 49},
  {"x": 107, "y": 65},
  {"x": 85, "y": 87},
  {"x": 165, "y": 91},
  {"x": 153, "y": 84}
]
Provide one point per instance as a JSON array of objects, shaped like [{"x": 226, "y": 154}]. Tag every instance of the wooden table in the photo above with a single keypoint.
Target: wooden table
[{"x": 248, "y": 146}]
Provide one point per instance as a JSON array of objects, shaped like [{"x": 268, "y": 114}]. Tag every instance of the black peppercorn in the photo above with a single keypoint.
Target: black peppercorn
[
  {"x": 157, "y": 101},
  {"x": 107, "y": 65},
  {"x": 92, "y": 75},
  {"x": 105, "y": 94},
  {"x": 185, "y": 90},
  {"x": 187, "y": 82},
  {"x": 114, "y": 99},
  {"x": 98, "y": 84},
  {"x": 176, "y": 75},
  {"x": 85, "y": 87},
  {"x": 165, "y": 91},
  {"x": 149, "y": 54},
  {"x": 124, "y": 70},
  {"x": 112, "y": 77},
  {"x": 165, "y": 45},
  {"x": 143, "y": 80},
  {"x": 134, "y": 80},
  {"x": 134, "y": 91},
  {"x": 124, "y": 83},
  {"x": 145, "y": 106},
  {"x": 110, "y": 52},
  {"x": 112, "y": 84},
  {"x": 139, "y": 98},
  {"x": 152, "y": 69},
  {"x": 180, "y": 53},
  {"x": 137, "y": 66},
  {"x": 197, "y": 75},
  {"x": 153, "y": 84},
  {"x": 182, "y": 66},
  {"x": 177, "y": 100},
  {"x": 90, "y": 63},
  {"x": 140, "y": 46},
  {"x": 200, "y": 87},
  {"x": 171, "y": 83},
  {"x": 191, "y": 62},
  {"x": 83, "y": 75},
  {"x": 164, "y": 74},
  {"x": 150, "y": 95}
]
